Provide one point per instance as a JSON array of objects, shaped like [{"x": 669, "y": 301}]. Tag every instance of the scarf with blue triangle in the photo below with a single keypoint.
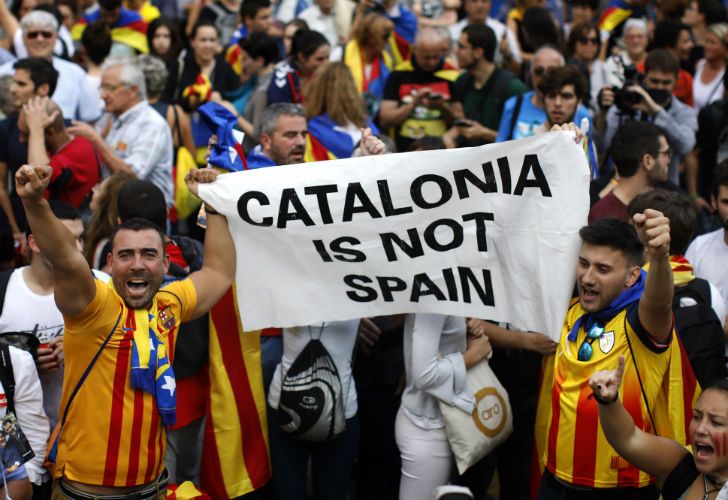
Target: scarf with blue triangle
[
  {"x": 151, "y": 370},
  {"x": 624, "y": 299}
]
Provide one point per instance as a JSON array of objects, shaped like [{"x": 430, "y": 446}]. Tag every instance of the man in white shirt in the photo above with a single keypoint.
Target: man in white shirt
[
  {"x": 72, "y": 94},
  {"x": 476, "y": 12},
  {"x": 709, "y": 253},
  {"x": 139, "y": 141}
]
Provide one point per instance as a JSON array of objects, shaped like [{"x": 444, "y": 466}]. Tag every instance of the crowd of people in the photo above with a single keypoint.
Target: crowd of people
[{"x": 111, "y": 109}]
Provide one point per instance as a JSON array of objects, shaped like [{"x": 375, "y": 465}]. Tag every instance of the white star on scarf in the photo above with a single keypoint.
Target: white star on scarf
[{"x": 169, "y": 384}]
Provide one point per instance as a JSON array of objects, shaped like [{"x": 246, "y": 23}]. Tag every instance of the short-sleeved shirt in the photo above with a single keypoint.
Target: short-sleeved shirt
[
  {"x": 609, "y": 207},
  {"x": 577, "y": 451},
  {"x": 408, "y": 78},
  {"x": 141, "y": 137},
  {"x": 76, "y": 170},
  {"x": 113, "y": 435},
  {"x": 485, "y": 105}
]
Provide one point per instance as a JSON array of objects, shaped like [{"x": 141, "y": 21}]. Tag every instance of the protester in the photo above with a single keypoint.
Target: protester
[
  {"x": 708, "y": 81},
  {"x": 478, "y": 12},
  {"x": 584, "y": 46},
  {"x": 309, "y": 50},
  {"x": 137, "y": 267},
  {"x": 680, "y": 473},
  {"x": 634, "y": 37},
  {"x": 418, "y": 95},
  {"x": 139, "y": 142},
  {"x": 641, "y": 156},
  {"x": 164, "y": 40},
  {"x": 621, "y": 311},
  {"x": 677, "y": 38},
  {"x": 482, "y": 91}
]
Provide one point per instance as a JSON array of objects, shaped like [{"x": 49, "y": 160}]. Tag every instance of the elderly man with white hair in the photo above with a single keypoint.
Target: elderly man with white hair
[
  {"x": 139, "y": 141},
  {"x": 73, "y": 94}
]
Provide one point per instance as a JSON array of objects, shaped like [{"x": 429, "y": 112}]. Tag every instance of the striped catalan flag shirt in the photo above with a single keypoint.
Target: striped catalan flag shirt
[
  {"x": 113, "y": 435},
  {"x": 576, "y": 450}
]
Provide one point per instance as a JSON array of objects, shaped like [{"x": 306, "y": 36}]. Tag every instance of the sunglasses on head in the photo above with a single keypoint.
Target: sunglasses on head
[
  {"x": 586, "y": 350},
  {"x": 35, "y": 34}
]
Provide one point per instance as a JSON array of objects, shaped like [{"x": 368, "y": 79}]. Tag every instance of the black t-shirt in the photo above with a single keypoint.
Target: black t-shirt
[
  {"x": 400, "y": 86},
  {"x": 712, "y": 121},
  {"x": 223, "y": 79},
  {"x": 14, "y": 154}
]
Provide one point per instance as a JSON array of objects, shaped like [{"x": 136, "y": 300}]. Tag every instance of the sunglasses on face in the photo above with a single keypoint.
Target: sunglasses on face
[
  {"x": 35, "y": 34},
  {"x": 585, "y": 40},
  {"x": 586, "y": 351}
]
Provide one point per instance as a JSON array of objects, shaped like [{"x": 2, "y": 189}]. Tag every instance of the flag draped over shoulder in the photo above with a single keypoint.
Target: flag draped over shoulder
[
  {"x": 130, "y": 29},
  {"x": 381, "y": 67},
  {"x": 405, "y": 29},
  {"x": 615, "y": 13},
  {"x": 328, "y": 141},
  {"x": 235, "y": 457}
]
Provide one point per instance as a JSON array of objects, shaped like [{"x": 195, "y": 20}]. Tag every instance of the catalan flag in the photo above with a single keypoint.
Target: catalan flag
[
  {"x": 130, "y": 29},
  {"x": 381, "y": 66},
  {"x": 405, "y": 29},
  {"x": 200, "y": 88},
  {"x": 235, "y": 458},
  {"x": 616, "y": 12},
  {"x": 328, "y": 141},
  {"x": 185, "y": 491}
]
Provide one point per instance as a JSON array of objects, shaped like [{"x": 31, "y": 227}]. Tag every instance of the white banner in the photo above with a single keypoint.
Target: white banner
[{"x": 488, "y": 232}]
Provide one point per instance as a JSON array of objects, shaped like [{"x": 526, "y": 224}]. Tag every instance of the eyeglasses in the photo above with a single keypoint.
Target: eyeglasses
[
  {"x": 35, "y": 34},
  {"x": 586, "y": 350},
  {"x": 593, "y": 41}
]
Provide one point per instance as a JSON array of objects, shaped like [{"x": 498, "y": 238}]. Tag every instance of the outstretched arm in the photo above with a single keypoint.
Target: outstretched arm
[
  {"x": 655, "y": 309},
  {"x": 656, "y": 455},
  {"x": 74, "y": 287},
  {"x": 218, "y": 268}
]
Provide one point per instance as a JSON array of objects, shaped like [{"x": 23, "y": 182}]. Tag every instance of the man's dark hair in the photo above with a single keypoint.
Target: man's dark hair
[
  {"x": 720, "y": 177},
  {"x": 136, "y": 224},
  {"x": 481, "y": 36},
  {"x": 540, "y": 28},
  {"x": 662, "y": 60},
  {"x": 630, "y": 143},
  {"x": 675, "y": 207},
  {"x": 41, "y": 71},
  {"x": 556, "y": 78},
  {"x": 249, "y": 8},
  {"x": 592, "y": 4},
  {"x": 96, "y": 41},
  {"x": 110, "y": 5},
  {"x": 712, "y": 10},
  {"x": 62, "y": 211},
  {"x": 142, "y": 200},
  {"x": 616, "y": 234},
  {"x": 260, "y": 45},
  {"x": 667, "y": 34}
]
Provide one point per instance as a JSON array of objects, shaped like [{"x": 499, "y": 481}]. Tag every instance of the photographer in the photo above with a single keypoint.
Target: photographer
[{"x": 651, "y": 101}]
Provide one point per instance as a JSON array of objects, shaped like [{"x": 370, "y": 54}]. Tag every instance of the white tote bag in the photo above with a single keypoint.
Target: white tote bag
[{"x": 473, "y": 436}]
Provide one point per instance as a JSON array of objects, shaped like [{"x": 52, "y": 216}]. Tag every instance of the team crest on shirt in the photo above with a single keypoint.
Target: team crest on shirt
[
  {"x": 606, "y": 342},
  {"x": 166, "y": 317}
]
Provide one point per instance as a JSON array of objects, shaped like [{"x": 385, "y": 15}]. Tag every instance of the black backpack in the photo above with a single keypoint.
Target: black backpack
[
  {"x": 312, "y": 399},
  {"x": 700, "y": 331}
]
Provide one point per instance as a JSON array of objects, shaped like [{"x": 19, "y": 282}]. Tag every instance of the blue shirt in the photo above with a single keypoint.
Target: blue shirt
[{"x": 529, "y": 118}]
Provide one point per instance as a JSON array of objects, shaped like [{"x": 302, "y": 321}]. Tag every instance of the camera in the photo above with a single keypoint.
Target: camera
[{"x": 624, "y": 99}]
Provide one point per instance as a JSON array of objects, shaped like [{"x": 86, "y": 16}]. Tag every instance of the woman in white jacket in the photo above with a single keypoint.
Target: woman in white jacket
[{"x": 437, "y": 353}]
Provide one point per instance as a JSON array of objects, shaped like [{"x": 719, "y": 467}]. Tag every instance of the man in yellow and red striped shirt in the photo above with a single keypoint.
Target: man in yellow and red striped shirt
[
  {"x": 119, "y": 386},
  {"x": 620, "y": 311}
]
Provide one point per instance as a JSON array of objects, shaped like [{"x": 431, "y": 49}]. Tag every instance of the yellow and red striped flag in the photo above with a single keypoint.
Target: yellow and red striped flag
[{"x": 235, "y": 458}]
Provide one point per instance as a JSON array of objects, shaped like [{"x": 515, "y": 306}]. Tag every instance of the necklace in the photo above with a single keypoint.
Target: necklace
[{"x": 716, "y": 487}]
